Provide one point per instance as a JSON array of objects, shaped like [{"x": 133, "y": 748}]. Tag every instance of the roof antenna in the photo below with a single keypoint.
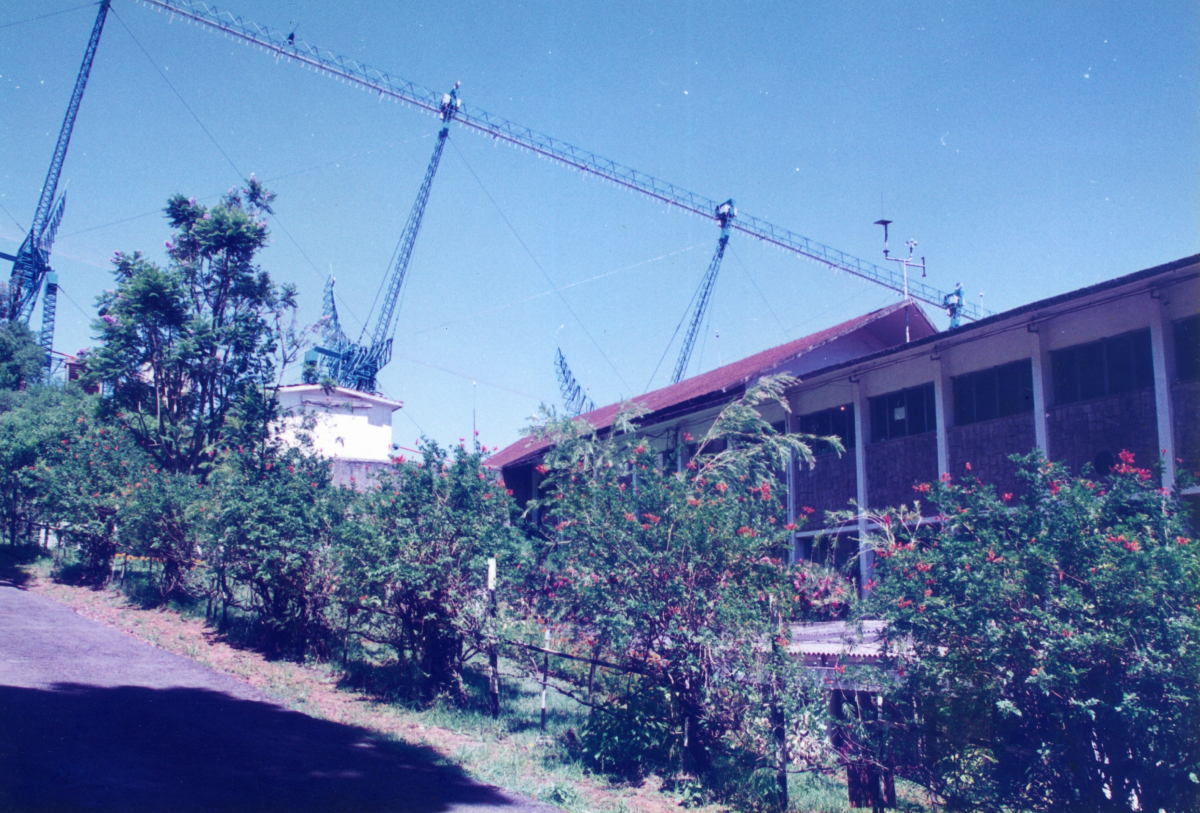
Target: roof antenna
[{"x": 906, "y": 262}]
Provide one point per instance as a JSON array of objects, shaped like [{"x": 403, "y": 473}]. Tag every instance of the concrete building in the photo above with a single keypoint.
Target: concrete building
[
  {"x": 352, "y": 428},
  {"x": 1081, "y": 376}
]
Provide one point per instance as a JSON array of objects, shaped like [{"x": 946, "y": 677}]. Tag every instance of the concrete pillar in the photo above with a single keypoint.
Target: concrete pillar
[
  {"x": 1040, "y": 358},
  {"x": 941, "y": 390},
  {"x": 862, "y": 426},
  {"x": 798, "y": 551},
  {"x": 1159, "y": 351}
]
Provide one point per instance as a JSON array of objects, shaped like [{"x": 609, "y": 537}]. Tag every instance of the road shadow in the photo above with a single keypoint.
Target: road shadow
[
  {"x": 134, "y": 749},
  {"x": 13, "y": 559}
]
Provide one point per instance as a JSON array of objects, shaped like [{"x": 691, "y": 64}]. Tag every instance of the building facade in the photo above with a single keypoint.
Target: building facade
[
  {"x": 353, "y": 429},
  {"x": 1082, "y": 377}
]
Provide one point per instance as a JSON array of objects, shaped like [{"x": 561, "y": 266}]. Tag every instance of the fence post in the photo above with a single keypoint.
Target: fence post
[
  {"x": 777, "y": 717},
  {"x": 545, "y": 676},
  {"x": 493, "y": 647}
]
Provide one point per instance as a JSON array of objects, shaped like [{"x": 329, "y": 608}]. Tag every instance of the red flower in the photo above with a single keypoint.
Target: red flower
[
  {"x": 791, "y": 526},
  {"x": 630, "y": 517},
  {"x": 639, "y": 449},
  {"x": 745, "y": 530},
  {"x": 1055, "y": 487},
  {"x": 1007, "y": 496},
  {"x": 808, "y": 511},
  {"x": 968, "y": 466},
  {"x": 541, "y": 469},
  {"x": 687, "y": 436},
  {"x": 922, "y": 488},
  {"x": 1126, "y": 457}
]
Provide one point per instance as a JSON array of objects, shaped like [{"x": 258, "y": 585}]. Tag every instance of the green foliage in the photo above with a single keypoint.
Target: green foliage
[
  {"x": 415, "y": 564},
  {"x": 32, "y": 435},
  {"x": 1050, "y": 644},
  {"x": 271, "y": 550},
  {"x": 21, "y": 357},
  {"x": 183, "y": 346},
  {"x": 676, "y": 578}
]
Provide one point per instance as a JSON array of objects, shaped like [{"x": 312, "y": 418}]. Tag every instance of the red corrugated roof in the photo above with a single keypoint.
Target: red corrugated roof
[{"x": 721, "y": 379}]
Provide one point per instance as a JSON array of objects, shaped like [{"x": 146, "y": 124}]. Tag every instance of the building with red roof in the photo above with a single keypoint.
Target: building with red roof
[{"x": 1086, "y": 377}]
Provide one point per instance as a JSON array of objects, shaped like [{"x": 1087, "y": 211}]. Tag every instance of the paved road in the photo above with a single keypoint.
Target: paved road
[{"x": 93, "y": 719}]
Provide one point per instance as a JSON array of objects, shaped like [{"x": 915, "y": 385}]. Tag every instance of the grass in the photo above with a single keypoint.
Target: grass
[{"x": 376, "y": 692}]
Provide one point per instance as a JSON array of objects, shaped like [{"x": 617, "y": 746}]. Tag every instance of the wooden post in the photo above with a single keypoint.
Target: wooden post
[
  {"x": 545, "y": 677},
  {"x": 493, "y": 647},
  {"x": 777, "y": 719},
  {"x": 592, "y": 672}
]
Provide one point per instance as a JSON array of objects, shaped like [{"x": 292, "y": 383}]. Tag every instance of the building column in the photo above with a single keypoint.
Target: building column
[
  {"x": 1041, "y": 368},
  {"x": 798, "y": 551},
  {"x": 940, "y": 402},
  {"x": 1162, "y": 392},
  {"x": 866, "y": 558}
]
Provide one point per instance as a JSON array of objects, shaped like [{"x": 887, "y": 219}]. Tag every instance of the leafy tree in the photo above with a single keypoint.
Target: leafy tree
[
  {"x": 1050, "y": 645},
  {"x": 21, "y": 357},
  {"x": 271, "y": 547},
  {"x": 673, "y": 582},
  {"x": 183, "y": 347},
  {"x": 37, "y": 429},
  {"x": 86, "y": 474},
  {"x": 416, "y": 563}
]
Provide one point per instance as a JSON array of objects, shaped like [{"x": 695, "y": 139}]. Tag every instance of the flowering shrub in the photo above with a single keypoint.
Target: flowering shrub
[
  {"x": 414, "y": 561},
  {"x": 673, "y": 583},
  {"x": 1050, "y": 645}
]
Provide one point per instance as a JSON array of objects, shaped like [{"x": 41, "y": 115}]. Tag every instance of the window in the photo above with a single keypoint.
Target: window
[
  {"x": 837, "y": 421},
  {"x": 903, "y": 413},
  {"x": 995, "y": 393},
  {"x": 1187, "y": 349},
  {"x": 1107, "y": 367}
]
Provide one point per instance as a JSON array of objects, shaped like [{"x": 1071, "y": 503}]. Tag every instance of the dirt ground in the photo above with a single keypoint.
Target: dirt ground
[{"x": 46, "y": 706}]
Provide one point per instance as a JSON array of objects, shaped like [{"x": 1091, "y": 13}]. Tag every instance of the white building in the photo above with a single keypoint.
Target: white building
[{"x": 354, "y": 429}]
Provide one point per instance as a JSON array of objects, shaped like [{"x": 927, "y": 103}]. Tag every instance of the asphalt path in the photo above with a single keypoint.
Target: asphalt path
[{"x": 94, "y": 719}]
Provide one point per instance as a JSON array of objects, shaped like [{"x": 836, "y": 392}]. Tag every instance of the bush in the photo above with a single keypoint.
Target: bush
[{"x": 1050, "y": 644}]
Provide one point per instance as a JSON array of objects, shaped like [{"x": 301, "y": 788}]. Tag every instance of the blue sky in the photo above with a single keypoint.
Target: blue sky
[{"x": 1030, "y": 148}]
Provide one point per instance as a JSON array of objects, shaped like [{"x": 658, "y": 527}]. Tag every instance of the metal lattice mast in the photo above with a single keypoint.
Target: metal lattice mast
[
  {"x": 386, "y": 85},
  {"x": 575, "y": 400},
  {"x": 49, "y": 306},
  {"x": 33, "y": 257},
  {"x": 726, "y": 212},
  {"x": 354, "y": 364}
]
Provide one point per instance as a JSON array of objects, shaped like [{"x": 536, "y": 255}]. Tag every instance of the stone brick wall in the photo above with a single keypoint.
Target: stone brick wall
[
  {"x": 987, "y": 445},
  {"x": 357, "y": 474},
  {"x": 1078, "y": 432},
  {"x": 828, "y": 487},
  {"x": 894, "y": 466},
  {"x": 1185, "y": 403}
]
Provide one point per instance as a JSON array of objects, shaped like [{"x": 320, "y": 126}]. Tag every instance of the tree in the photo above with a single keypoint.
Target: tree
[
  {"x": 21, "y": 357},
  {"x": 674, "y": 583},
  {"x": 1050, "y": 644},
  {"x": 182, "y": 347},
  {"x": 271, "y": 546},
  {"x": 415, "y": 567}
]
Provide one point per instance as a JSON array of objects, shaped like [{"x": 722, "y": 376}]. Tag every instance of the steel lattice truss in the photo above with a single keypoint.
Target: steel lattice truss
[{"x": 386, "y": 85}]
